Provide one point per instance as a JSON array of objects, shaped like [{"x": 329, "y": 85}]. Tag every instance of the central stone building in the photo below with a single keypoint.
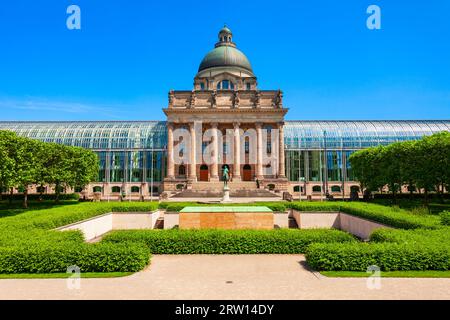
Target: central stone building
[{"x": 226, "y": 106}]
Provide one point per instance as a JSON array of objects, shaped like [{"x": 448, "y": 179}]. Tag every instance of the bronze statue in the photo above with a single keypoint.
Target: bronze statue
[{"x": 225, "y": 176}]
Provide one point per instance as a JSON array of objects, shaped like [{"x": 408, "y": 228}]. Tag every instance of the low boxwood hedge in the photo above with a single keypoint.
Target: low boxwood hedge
[
  {"x": 54, "y": 257},
  {"x": 178, "y": 206},
  {"x": 387, "y": 256},
  {"x": 28, "y": 245},
  {"x": 394, "y": 217},
  {"x": 177, "y": 241}
]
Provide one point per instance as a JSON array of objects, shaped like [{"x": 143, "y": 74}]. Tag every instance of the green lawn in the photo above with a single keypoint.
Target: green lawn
[{"x": 388, "y": 274}]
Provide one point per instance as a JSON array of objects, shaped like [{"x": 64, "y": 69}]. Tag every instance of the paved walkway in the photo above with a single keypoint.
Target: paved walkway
[{"x": 226, "y": 277}]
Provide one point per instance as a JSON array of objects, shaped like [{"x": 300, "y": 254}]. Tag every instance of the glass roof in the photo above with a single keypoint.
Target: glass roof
[
  {"x": 104, "y": 135},
  {"x": 97, "y": 135},
  {"x": 356, "y": 134}
]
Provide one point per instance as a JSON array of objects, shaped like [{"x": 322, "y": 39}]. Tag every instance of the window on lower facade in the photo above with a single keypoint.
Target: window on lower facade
[
  {"x": 135, "y": 189},
  {"x": 317, "y": 189},
  {"x": 335, "y": 189},
  {"x": 115, "y": 189}
]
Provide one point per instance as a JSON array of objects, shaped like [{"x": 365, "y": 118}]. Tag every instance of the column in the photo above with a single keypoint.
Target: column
[
  {"x": 237, "y": 153},
  {"x": 192, "y": 152},
  {"x": 259, "y": 149},
  {"x": 215, "y": 152},
  {"x": 170, "y": 164},
  {"x": 281, "y": 163}
]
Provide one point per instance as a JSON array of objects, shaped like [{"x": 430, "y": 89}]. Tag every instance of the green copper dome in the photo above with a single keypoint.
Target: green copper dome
[{"x": 225, "y": 54}]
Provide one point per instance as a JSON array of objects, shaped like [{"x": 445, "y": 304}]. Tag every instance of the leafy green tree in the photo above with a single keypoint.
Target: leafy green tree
[{"x": 7, "y": 164}]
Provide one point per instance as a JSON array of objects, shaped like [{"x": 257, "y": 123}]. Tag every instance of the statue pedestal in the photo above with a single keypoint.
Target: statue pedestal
[{"x": 226, "y": 195}]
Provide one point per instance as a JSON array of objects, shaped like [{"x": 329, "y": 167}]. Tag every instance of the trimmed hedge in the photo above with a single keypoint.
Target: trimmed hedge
[
  {"x": 178, "y": 206},
  {"x": 439, "y": 237},
  {"x": 45, "y": 196},
  {"x": 28, "y": 245},
  {"x": 445, "y": 218},
  {"x": 55, "y": 257},
  {"x": 387, "y": 256},
  {"x": 177, "y": 241},
  {"x": 394, "y": 217}
]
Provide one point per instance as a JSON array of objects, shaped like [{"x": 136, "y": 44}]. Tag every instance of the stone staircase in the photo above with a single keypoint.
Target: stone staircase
[
  {"x": 218, "y": 185},
  {"x": 238, "y": 189}
]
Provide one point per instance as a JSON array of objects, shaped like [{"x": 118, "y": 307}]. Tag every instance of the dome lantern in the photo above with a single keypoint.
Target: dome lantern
[{"x": 226, "y": 55}]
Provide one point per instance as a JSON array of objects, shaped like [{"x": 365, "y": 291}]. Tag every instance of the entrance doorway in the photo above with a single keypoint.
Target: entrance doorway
[
  {"x": 247, "y": 173},
  {"x": 204, "y": 173}
]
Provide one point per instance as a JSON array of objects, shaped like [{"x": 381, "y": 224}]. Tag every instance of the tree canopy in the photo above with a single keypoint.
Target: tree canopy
[
  {"x": 423, "y": 164},
  {"x": 25, "y": 162}
]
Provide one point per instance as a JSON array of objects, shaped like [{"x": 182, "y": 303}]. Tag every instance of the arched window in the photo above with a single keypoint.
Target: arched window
[
  {"x": 271, "y": 186},
  {"x": 182, "y": 170},
  {"x": 155, "y": 189},
  {"x": 317, "y": 189},
  {"x": 354, "y": 189},
  {"x": 135, "y": 189},
  {"x": 97, "y": 189},
  {"x": 298, "y": 189},
  {"x": 225, "y": 85},
  {"x": 115, "y": 189},
  {"x": 335, "y": 189}
]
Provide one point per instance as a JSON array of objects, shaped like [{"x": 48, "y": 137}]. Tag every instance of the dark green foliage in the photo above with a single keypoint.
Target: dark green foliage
[
  {"x": 386, "y": 256},
  {"x": 228, "y": 241},
  {"x": 47, "y": 197},
  {"x": 445, "y": 218},
  {"x": 28, "y": 245},
  {"x": 386, "y": 215},
  {"x": 423, "y": 164},
  {"x": 178, "y": 206},
  {"x": 54, "y": 257}
]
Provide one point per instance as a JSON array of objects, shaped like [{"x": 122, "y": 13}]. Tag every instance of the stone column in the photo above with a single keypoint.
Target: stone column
[
  {"x": 281, "y": 163},
  {"x": 237, "y": 153},
  {"x": 170, "y": 164},
  {"x": 192, "y": 152},
  {"x": 215, "y": 152},
  {"x": 259, "y": 153}
]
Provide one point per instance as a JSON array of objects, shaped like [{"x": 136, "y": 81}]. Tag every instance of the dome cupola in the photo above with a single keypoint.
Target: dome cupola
[{"x": 225, "y": 55}]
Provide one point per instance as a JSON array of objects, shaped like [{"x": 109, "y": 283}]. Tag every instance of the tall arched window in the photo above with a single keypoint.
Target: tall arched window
[{"x": 181, "y": 170}]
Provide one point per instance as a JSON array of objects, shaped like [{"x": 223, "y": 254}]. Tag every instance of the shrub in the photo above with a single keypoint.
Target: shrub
[
  {"x": 178, "y": 206},
  {"x": 387, "y": 256},
  {"x": 393, "y": 217},
  {"x": 228, "y": 241},
  {"x": 89, "y": 258},
  {"x": 135, "y": 207},
  {"x": 445, "y": 218},
  {"x": 28, "y": 246}
]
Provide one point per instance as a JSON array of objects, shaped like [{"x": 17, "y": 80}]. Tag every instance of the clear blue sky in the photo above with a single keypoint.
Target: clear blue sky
[{"x": 129, "y": 54}]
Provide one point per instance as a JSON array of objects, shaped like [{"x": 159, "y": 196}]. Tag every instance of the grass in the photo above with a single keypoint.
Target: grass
[
  {"x": 64, "y": 275},
  {"x": 388, "y": 274}
]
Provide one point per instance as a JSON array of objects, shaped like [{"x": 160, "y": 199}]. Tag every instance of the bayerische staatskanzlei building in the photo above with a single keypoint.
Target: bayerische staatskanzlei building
[{"x": 224, "y": 121}]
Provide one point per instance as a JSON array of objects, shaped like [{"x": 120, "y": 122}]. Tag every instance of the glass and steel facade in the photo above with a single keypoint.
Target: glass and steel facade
[
  {"x": 128, "y": 151},
  {"x": 135, "y": 151},
  {"x": 319, "y": 150}
]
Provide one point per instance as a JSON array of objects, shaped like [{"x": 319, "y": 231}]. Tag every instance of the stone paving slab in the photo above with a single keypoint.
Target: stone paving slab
[{"x": 226, "y": 277}]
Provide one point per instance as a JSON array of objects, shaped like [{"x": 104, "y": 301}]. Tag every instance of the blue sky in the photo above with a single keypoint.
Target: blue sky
[{"x": 129, "y": 54}]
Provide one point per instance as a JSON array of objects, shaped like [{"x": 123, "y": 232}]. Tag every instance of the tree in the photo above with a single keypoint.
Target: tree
[
  {"x": 26, "y": 164},
  {"x": 7, "y": 164}
]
